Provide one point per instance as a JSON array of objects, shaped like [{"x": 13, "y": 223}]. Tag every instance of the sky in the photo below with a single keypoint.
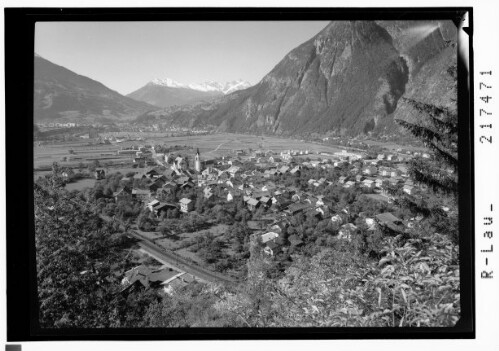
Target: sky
[{"x": 124, "y": 56}]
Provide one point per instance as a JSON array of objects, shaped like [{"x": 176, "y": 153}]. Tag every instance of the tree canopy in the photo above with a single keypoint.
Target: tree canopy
[{"x": 437, "y": 128}]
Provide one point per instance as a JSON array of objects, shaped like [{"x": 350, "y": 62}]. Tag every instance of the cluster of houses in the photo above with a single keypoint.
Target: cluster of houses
[
  {"x": 58, "y": 125},
  {"x": 229, "y": 180},
  {"x": 376, "y": 174}
]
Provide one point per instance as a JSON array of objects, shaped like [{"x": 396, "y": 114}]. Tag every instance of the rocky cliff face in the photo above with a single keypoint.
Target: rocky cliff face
[{"x": 348, "y": 79}]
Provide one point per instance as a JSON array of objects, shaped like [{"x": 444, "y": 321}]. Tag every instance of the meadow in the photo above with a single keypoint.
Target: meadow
[{"x": 210, "y": 146}]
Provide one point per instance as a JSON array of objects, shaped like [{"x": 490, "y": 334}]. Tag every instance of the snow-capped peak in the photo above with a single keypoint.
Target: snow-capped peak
[
  {"x": 209, "y": 86},
  {"x": 168, "y": 82}
]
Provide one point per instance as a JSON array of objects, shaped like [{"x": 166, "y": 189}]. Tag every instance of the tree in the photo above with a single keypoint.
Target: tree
[
  {"x": 437, "y": 128},
  {"x": 56, "y": 178},
  {"x": 79, "y": 263}
]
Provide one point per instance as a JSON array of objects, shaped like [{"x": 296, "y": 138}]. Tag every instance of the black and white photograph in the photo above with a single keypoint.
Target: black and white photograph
[{"x": 251, "y": 174}]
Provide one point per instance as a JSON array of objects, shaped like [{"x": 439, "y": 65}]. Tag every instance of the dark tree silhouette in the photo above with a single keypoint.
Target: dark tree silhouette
[{"x": 438, "y": 129}]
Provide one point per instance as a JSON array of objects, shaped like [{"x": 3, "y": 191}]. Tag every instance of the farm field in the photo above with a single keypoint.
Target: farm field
[
  {"x": 44, "y": 155},
  {"x": 81, "y": 184},
  {"x": 393, "y": 147},
  {"x": 210, "y": 146},
  {"x": 216, "y": 145}
]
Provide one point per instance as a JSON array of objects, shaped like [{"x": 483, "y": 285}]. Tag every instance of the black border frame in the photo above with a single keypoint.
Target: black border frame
[{"x": 22, "y": 314}]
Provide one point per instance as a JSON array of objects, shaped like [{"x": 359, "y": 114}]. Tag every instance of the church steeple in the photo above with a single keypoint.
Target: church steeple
[{"x": 197, "y": 162}]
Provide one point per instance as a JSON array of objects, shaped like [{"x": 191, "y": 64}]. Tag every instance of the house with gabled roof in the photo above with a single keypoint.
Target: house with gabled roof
[
  {"x": 143, "y": 276},
  {"x": 122, "y": 194},
  {"x": 370, "y": 170},
  {"x": 379, "y": 182},
  {"x": 395, "y": 180},
  {"x": 389, "y": 221},
  {"x": 296, "y": 208},
  {"x": 349, "y": 184},
  {"x": 189, "y": 184},
  {"x": 368, "y": 183},
  {"x": 139, "y": 175},
  {"x": 141, "y": 194},
  {"x": 265, "y": 201},
  {"x": 269, "y": 186},
  {"x": 284, "y": 169},
  {"x": 269, "y": 236},
  {"x": 163, "y": 207},
  {"x": 152, "y": 204},
  {"x": 253, "y": 204},
  {"x": 295, "y": 170},
  {"x": 186, "y": 205},
  {"x": 207, "y": 192},
  {"x": 156, "y": 185},
  {"x": 139, "y": 160},
  {"x": 125, "y": 180},
  {"x": 258, "y": 194},
  {"x": 409, "y": 189},
  {"x": 371, "y": 224},
  {"x": 154, "y": 172},
  {"x": 346, "y": 231},
  {"x": 272, "y": 248},
  {"x": 233, "y": 170},
  {"x": 373, "y": 162},
  {"x": 169, "y": 173}
]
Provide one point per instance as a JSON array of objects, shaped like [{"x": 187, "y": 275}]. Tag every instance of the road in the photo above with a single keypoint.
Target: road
[
  {"x": 183, "y": 265},
  {"x": 174, "y": 259}
]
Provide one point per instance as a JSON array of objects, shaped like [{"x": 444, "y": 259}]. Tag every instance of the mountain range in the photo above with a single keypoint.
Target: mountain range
[
  {"x": 346, "y": 80},
  {"x": 349, "y": 79},
  {"x": 168, "y": 92},
  {"x": 60, "y": 94}
]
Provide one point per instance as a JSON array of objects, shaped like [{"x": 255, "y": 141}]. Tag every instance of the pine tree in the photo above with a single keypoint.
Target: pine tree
[{"x": 438, "y": 129}]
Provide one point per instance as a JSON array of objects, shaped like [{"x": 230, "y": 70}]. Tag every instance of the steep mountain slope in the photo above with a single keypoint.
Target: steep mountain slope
[
  {"x": 348, "y": 79},
  {"x": 62, "y": 94},
  {"x": 167, "y": 92},
  {"x": 427, "y": 47}
]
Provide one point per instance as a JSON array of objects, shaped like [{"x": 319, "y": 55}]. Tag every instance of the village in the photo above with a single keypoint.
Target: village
[{"x": 287, "y": 201}]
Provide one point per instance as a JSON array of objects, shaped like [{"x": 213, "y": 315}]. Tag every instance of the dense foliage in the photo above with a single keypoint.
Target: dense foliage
[
  {"x": 80, "y": 261},
  {"x": 437, "y": 127},
  {"x": 415, "y": 283}
]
